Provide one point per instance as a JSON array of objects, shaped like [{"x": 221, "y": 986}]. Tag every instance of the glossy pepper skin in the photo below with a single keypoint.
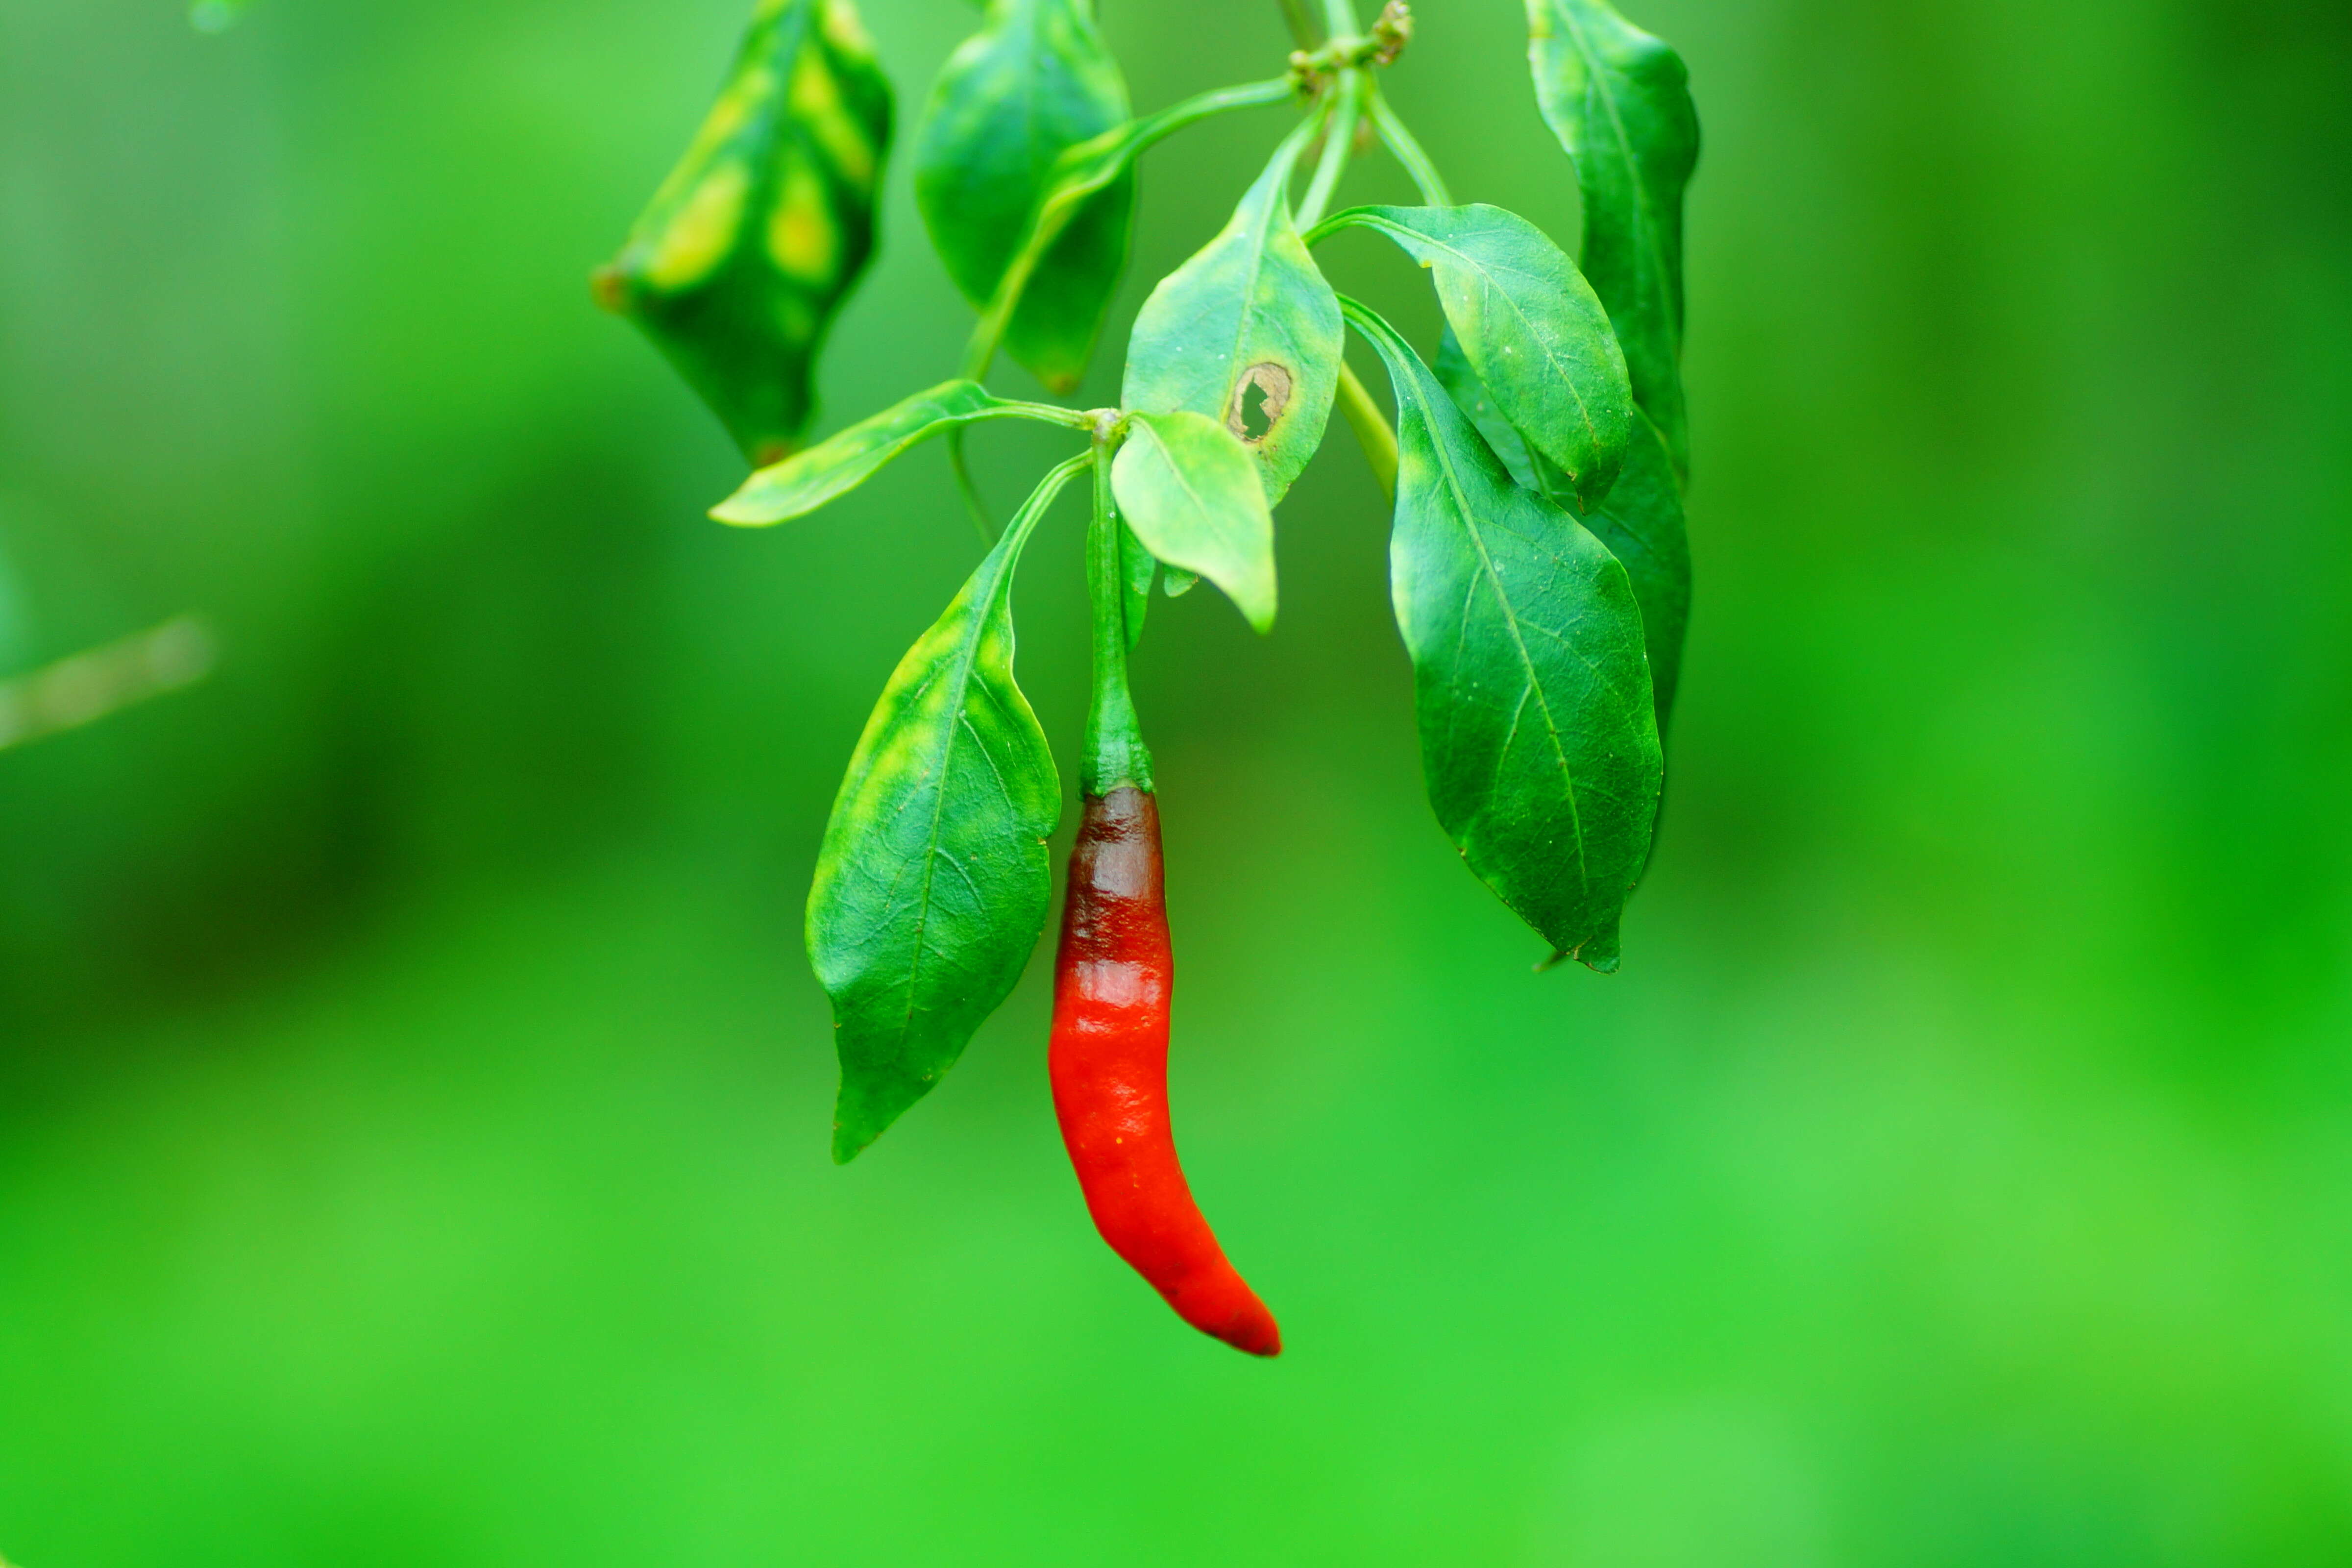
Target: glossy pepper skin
[{"x": 1112, "y": 980}]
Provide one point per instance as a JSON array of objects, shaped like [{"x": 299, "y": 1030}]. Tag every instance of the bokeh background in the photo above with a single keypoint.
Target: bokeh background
[{"x": 414, "y": 1100}]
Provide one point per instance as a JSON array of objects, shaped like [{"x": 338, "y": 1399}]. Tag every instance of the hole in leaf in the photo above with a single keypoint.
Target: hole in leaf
[{"x": 1259, "y": 398}]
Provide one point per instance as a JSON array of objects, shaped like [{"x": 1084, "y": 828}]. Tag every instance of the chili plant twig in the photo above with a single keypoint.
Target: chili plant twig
[
  {"x": 1407, "y": 150},
  {"x": 1338, "y": 144},
  {"x": 1373, "y": 432}
]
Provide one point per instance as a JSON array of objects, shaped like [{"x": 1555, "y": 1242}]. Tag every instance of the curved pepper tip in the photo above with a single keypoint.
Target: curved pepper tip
[{"x": 1248, "y": 1327}]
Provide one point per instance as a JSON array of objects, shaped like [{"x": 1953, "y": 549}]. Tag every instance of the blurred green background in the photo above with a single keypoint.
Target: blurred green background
[{"x": 414, "y": 1101}]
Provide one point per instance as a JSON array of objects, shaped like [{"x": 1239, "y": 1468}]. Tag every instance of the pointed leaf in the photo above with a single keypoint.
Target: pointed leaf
[
  {"x": 1530, "y": 327},
  {"x": 932, "y": 883},
  {"x": 1640, "y": 522},
  {"x": 1618, "y": 101},
  {"x": 847, "y": 458},
  {"x": 1034, "y": 80},
  {"x": 1193, "y": 494},
  {"x": 747, "y": 251},
  {"x": 1537, "y": 739},
  {"x": 1246, "y": 333}
]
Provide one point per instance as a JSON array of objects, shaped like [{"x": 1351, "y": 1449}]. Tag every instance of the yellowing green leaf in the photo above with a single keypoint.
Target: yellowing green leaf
[
  {"x": 747, "y": 251},
  {"x": 847, "y": 458},
  {"x": 932, "y": 882}
]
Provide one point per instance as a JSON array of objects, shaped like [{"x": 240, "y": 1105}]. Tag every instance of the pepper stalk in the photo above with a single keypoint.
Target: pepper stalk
[{"x": 1115, "y": 753}]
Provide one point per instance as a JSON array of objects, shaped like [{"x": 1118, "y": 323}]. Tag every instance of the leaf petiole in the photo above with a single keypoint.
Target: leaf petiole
[
  {"x": 1115, "y": 754},
  {"x": 1373, "y": 433},
  {"x": 1338, "y": 144},
  {"x": 1407, "y": 150}
]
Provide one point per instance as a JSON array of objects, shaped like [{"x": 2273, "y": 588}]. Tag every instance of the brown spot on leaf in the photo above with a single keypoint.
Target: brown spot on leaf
[{"x": 1259, "y": 398}]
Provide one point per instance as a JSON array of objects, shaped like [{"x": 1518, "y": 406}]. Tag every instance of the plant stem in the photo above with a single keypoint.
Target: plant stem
[
  {"x": 974, "y": 502},
  {"x": 1113, "y": 153},
  {"x": 1114, "y": 753},
  {"x": 1371, "y": 428},
  {"x": 1409, "y": 153},
  {"x": 1340, "y": 18},
  {"x": 1338, "y": 143}
]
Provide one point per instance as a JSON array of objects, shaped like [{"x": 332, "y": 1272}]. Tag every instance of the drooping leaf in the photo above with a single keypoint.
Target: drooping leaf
[
  {"x": 1192, "y": 492},
  {"x": 932, "y": 883},
  {"x": 1246, "y": 333},
  {"x": 1641, "y": 522},
  {"x": 1034, "y": 80},
  {"x": 1530, "y": 327},
  {"x": 1620, "y": 101},
  {"x": 739, "y": 264},
  {"x": 1081, "y": 173},
  {"x": 847, "y": 458},
  {"x": 1539, "y": 740}
]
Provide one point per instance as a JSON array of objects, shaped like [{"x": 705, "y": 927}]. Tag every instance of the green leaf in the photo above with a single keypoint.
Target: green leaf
[
  {"x": 932, "y": 883},
  {"x": 847, "y": 458},
  {"x": 1246, "y": 333},
  {"x": 1539, "y": 740},
  {"x": 1034, "y": 80},
  {"x": 747, "y": 251},
  {"x": 1620, "y": 101},
  {"x": 1085, "y": 170},
  {"x": 1641, "y": 522},
  {"x": 1529, "y": 325},
  {"x": 1193, "y": 495}
]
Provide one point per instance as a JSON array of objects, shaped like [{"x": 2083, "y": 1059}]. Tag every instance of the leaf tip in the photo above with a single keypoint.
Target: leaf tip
[{"x": 848, "y": 1143}]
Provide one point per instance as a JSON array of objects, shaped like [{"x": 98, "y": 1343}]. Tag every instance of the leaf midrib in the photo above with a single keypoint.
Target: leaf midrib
[
  {"x": 1486, "y": 275},
  {"x": 967, "y": 655},
  {"x": 1510, "y": 619}
]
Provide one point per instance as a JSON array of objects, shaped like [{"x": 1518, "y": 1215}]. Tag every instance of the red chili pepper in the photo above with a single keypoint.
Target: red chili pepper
[{"x": 1112, "y": 977}]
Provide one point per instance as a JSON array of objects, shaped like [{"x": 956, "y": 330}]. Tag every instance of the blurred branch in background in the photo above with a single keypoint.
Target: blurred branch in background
[
  {"x": 210, "y": 16},
  {"x": 87, "y": 687}
]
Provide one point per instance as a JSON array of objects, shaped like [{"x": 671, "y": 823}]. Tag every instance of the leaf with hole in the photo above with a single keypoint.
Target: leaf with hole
[
  {"x": 1528, "y": 324},
  {"x": 1246, "y": 333},
  {"x": 1036, "y": 80},
  {"x": 1618, "y": 101},
  {"x": 1539, "y": 740},
  {"x": 932, "y": 883},
  {"x": 743, "y": 260},
  {"x": 1192, "y": 492},
  {"x": 1641, "y": 522}
]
